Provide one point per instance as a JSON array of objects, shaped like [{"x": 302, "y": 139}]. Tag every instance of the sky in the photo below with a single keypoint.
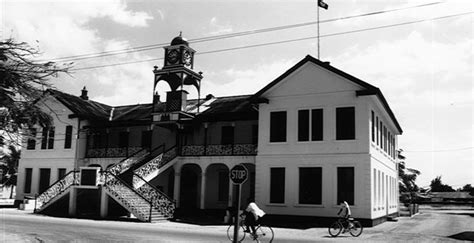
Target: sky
[{"x": 419, "y": 53}]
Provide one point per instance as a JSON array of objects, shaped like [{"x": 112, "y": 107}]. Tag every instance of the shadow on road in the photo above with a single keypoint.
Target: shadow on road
[{"x": 466, "y": 235}]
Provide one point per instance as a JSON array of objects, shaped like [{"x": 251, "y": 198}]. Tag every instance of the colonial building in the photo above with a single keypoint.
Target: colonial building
[{"x": 313, "y": 137}]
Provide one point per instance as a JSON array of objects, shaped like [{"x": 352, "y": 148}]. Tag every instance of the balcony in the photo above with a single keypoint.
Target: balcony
[
  {"x": 111, "y": 152},
  {"x": 219, "y": 150}
]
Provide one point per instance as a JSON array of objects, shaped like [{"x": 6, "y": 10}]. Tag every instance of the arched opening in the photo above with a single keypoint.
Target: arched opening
[
  {"x": 190, "y": 186},
  {"x": 217, "y": 186}
]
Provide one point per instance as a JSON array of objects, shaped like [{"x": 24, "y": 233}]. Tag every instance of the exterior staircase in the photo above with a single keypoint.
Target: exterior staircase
[{"x": 56, "y": 191}]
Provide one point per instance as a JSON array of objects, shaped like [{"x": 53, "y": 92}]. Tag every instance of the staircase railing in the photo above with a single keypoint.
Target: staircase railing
[
  {"x": 155, "y": 164},
  {"x": 160, "y": 201},
  {"x": 138, "y": 205},
  {"x": 126, "y": 163},
  {"x": 56, "y": 189}
]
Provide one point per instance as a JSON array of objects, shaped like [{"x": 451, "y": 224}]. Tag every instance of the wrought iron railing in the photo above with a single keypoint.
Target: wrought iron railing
[
  {"x": 125, "y": 164},
  {"x": 156, "y": 163},
  {"x": 127, "y": 197},
  {"x": 219, "y": 150},
  {"x": 160, "y": 201},
  {"x": 56, "y": 189},
  {"x": 112, "y": 152}
]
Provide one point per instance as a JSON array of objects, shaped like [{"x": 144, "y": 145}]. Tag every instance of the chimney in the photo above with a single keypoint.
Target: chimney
[{"x": 84, "y": 94}]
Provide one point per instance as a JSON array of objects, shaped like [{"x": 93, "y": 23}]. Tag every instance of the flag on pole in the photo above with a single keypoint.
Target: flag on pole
[{"x": 323, "y": 4}]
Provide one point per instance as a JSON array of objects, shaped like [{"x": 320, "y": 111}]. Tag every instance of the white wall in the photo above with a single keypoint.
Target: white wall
[{"x": 56, "y": 158}]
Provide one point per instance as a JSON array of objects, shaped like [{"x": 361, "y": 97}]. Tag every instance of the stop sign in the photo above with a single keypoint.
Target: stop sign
[{"x": 239, "y": 174}]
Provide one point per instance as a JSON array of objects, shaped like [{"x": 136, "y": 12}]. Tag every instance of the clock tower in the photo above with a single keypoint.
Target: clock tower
[{"x": 177, "y": 72}]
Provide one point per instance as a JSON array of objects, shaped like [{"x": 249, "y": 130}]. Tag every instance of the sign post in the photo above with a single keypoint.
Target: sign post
[{"x": 238, "y": 174}]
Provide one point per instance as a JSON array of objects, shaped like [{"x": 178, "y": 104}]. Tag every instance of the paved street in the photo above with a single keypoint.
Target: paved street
[{"x": 428, "y": 226}]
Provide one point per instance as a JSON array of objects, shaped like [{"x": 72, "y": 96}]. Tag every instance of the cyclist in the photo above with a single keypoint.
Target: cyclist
[
  {"x": 345, "y": 210},
  {"x": 252, "y": 214}
]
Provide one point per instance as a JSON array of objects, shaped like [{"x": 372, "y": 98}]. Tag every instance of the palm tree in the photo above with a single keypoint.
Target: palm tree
[
  {"x": 407, "y": 178},
  {"x": 9, "y": 168}
]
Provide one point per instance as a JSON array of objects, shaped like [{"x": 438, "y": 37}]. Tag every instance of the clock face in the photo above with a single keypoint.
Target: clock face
[
  {"x": 187, "y": 58},
  {"x": 173, "y": 56}
]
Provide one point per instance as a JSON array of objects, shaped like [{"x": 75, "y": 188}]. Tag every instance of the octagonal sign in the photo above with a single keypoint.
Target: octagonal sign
[{"x": 238, "y": 174}]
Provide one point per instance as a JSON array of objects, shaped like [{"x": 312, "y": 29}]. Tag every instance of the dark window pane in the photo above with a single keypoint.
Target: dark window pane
[
  {"x": 28, "y": 176},
  {"x": 68, "y": 141},
  {"x": 61, "y": 173},
  {"x": 303, "y": 125},
  {"x": 44, "y": 180},
  {"x": 88, "y": 177},
  {"x": 227, "y": 135},
  {"x": 373, "y": 126},
  {"x": 317, "y": 125},
  {"x": 310, "y": 186},
  {"x": 44, "y": 138},
  {"x": 377, "y": 129},
  {"x": 31, "y": 144},
  {"x": 345, "y": 185},
  {"x": 123, "y": 139},
  {"x": 345, "y": 123},
  {"x": 146, "y": 139},
  {"x": 51, "y": 138},
  {"x": 277, "y": 185},
  {"x": 278, "y": 126},
  {"x": 381, "y": 131},
  {"x": 223, "y": 186}
]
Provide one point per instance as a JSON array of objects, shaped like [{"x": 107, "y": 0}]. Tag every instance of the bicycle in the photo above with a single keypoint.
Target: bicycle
[
  {"x": 345, "y": 224},
  {"x": 262, "y": 233}
]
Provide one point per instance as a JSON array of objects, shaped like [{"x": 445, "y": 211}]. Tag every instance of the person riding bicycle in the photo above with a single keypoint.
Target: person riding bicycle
[
  {"x": 252, "y": 214},
  {"x": 345, "y": 210}
]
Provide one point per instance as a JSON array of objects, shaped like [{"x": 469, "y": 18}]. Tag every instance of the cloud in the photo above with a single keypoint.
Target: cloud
[{"x": 217, "y": 28}]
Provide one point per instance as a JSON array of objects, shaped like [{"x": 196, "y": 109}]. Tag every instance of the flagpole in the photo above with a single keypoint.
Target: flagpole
[{"x": 318, "y": 28}]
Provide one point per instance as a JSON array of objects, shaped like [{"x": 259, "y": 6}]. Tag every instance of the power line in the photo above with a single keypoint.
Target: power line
[
  {"x": 283, "y": 41},
  {"x": 438, "y": 151},
  {"x": 231, "y": 35}
]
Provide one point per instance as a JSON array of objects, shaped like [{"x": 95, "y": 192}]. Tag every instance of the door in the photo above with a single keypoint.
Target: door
[{"x": 44, "y": 180}]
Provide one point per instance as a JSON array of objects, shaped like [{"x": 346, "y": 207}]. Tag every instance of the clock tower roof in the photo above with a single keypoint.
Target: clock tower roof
[{"x": 179, "y": 40}]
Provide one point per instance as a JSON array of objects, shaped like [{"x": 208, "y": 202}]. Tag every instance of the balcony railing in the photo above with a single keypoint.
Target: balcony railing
[
  {"x": 219, "y": 150},
  {"x": 111, "y": 152}
]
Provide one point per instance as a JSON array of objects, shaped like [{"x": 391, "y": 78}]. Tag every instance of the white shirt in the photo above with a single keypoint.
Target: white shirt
[{"x": 255, "y": 210}]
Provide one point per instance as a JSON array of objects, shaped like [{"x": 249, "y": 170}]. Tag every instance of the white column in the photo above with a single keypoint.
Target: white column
[
  {"x": 104, "y": 203},
  {"x": 177, "y": 183},
  {"x": 203, "y": 190},
  {"x": 72, "y": 201}
]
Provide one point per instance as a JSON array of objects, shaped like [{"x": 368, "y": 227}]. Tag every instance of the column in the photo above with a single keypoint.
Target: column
[
  {"x": 72, "y": 201},
  {"x": 203, "y": 191},
  {"x": 177, "y": 183},
  {"x": 104, "y": 203}
]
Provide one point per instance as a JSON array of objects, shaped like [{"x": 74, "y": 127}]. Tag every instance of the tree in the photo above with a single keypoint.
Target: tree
[
  {"x": 468, "y": 188},
  {"x": 438, "y": 186},
  {"x": 22, "y": 82},
  {"x": 9, "y": 168},
  {"x": 406, "y": 180}
]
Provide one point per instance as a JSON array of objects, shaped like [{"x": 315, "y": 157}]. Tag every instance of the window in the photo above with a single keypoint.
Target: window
[
  {"x": 377, "y": 129},
  {"x": 310, "y": 124},
  {"x": 310, "y": 185},
  {"x": 146, "y": 139},
  {"x": 31, "y": 142},
  {"x": 385, "y": 138},
  {"x": 223, "y": 186},
  {"x": 373, "y": 125},
  {"x": 278, "y": 126},
  {"x": 68, "y": 139},
  {"x": 375, "y": 187},
  {"x": 47, "y": 138},
  {"x": 345, "y": 185},
  {"x": 61, "y": 173},
  {"x": 389, "y": 144},
  {"x": 28, "y": 175},
  {"x": 123, "y": 139},
  {"x": 277, "y": 185},
  {"x": 44, "y": 180},
  {"x": 345, "y": 123},
  {"x": 227, "y": 135},
  {"x": 380, "y": 134},
  {"x": 379, "y": 190}
]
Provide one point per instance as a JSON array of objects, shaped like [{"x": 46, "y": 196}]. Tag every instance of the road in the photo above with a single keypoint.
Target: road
[{"x": 428, "y": 226}]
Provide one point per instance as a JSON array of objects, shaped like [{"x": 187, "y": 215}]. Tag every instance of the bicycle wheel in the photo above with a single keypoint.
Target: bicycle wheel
[
  {"x": 230, "y": 233},
  {"x": 264, "y": 234},
  {"x": 355, "y": 229},
  {"x": 335, "y": 229}
]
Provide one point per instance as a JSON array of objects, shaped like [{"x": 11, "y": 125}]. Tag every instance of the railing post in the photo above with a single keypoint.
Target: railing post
[{"x": 151, "y": 206}]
